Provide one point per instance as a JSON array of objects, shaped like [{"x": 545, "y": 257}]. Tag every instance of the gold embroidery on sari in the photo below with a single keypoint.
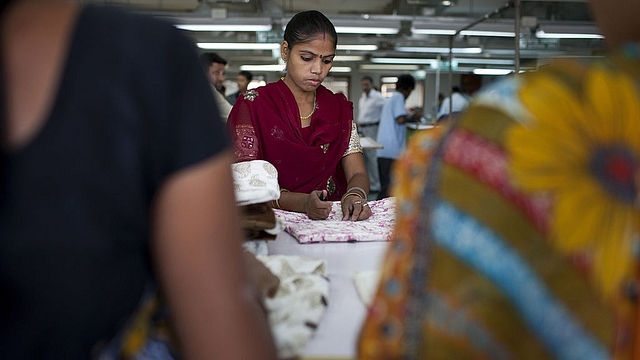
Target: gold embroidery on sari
[
  {"x": 354, "y": 141},
  {"x": 331, "y": 185}
]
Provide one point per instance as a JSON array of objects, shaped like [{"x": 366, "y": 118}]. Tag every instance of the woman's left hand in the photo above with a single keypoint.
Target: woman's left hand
[{"x": 355, "y": 208}]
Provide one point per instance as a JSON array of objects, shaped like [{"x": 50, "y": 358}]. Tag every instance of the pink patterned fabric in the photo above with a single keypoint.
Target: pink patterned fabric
[{"x": 376, "y": 228}]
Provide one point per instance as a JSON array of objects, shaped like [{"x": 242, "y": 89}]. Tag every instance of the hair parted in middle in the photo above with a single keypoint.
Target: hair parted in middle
[{"x": 308, "y": 25}]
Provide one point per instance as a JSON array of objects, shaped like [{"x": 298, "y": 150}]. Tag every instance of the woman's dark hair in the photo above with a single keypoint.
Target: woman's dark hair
[
  {"x": 307, "y": 25},
  {"x": 406, "y": 82}
]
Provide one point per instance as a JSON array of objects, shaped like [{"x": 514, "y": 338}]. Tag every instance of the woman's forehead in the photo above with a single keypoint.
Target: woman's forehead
[{"x": 319, "y": 43}]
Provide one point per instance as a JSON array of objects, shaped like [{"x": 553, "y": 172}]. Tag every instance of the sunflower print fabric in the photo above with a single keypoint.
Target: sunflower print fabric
[{"x": 517, "y": 226}]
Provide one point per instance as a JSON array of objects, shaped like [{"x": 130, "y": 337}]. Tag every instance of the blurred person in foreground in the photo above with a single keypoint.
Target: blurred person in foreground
[
  {"x": 114, "y": 183},
  {"x": 523, "y": 223},
  {"x": 306, "y": 131},
  {"x": 369, "y": 110},
  {"x": 243, "y": 80}
]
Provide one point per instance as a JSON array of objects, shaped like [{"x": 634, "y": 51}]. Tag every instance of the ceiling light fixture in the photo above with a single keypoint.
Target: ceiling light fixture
[
  {"x": 541, "y": 34},
  {"x": 356, "y": 47},
  {"x": 348, "y": 58},
  {"x": 279, "y": 68},
  {"x": 485, "y": 61},
  {"x": 492, "y": 71},
  {"x": 568, "y": 31},
  {"x": 371, "y": 26},
  {"x": 384, "y": 60},
  {"x": 222, "y": 27},
  {"x": 440, "y": 50},
  {"x": 367, "y": 30},
  {"x": 488, "y": 33},
  {"x": 233, "y": 24},
  {"x": 390, "y": 67},
  {"x": 433, "y": 31},
  {"x": 238, "y": 46},
  {"x": 436, "y": 26}
]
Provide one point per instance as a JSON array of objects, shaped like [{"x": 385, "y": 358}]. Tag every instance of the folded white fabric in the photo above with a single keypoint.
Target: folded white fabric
[
  {"x": 255, "y": 182},
  {"x": 366, "y": 284},
  {"x": 296, "y": 309}
]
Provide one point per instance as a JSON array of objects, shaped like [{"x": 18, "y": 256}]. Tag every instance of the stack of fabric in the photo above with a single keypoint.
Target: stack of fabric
[
  {"x": 256, "y": 183},
  {"x": 296, "y": 308}
]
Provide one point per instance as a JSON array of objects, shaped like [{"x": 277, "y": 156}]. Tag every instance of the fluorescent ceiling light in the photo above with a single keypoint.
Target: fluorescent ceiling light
[
  {"x": 340, "y": 69},
  {"x": 484, "y": 61},
  {"x": 543, "y": 35},
  {"x": 433, "y": 31},
  {"x": 238, "y": 46},
  {"x": 279, "y": 68},
  {"x": 262, "y": 67},
  {"x": 383, "y": 60},
  {"x": 276, "y": 46},
  {"x": 368, "y": 47},
  {"x": 441, "y": 50},
  {"x": 389, "y": 67},
  {"x": 366, "y": 30},
  {"x": 232, "y": 24},
  {"x": 348, "y": 58},
  {"x": 450, "y": 27},
  {"x": 362, "y": 26},
  {"x": 488, "y": 33},
  {"x": 222, "y": 27},
  {"x": 492, "y": 71},
  {"x": 568, "y": 31},
  {"x": 436, "y": 27}
]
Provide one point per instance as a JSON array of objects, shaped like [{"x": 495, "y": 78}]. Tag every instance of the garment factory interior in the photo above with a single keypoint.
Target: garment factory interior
[
  {"x": 385, "y": 38},
  {"x": 442, "y": 44}
]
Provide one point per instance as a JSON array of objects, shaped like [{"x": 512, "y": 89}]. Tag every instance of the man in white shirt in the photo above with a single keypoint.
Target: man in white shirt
[
  {"x": 457, "y": 101},
  {"x": 214, "y": 66},
  {"x": 369, "y": 109}
]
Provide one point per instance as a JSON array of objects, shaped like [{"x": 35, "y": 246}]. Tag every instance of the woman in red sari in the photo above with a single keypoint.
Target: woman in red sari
[{"x": 306, "y": 131}]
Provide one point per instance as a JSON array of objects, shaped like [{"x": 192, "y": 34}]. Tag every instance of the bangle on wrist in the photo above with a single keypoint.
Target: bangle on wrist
[
  {"x": 357, "y": 188},
  {"x": 349, "y": 194},
  {"x": 276, "y": 202}
]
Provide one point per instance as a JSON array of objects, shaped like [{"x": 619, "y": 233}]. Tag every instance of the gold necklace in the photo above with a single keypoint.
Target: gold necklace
[{"x": 312, "y": 110}]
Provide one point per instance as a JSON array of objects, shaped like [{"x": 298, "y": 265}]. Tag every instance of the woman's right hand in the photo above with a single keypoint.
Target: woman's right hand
[{"x": 316, "y": 207}]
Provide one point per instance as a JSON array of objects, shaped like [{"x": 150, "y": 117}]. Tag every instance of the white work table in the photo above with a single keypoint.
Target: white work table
[{"x": 337, "y": 334}]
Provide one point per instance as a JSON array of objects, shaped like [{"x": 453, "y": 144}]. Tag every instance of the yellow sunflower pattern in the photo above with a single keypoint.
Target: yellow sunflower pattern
[{"x": 582, "y": 145}]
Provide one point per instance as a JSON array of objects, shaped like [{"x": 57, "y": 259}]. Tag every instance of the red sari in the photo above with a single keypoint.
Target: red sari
[{"x": 265, "y": 124}]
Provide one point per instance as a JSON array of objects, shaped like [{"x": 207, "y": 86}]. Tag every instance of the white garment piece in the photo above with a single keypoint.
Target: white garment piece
[
  {"x": 378, "y": 227},
  {"x": 298, "y": 305},
  {"x": 366, "y": 284},
  {"x": 458, "y": 103},
  {"x": 255, "y": 182}
]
